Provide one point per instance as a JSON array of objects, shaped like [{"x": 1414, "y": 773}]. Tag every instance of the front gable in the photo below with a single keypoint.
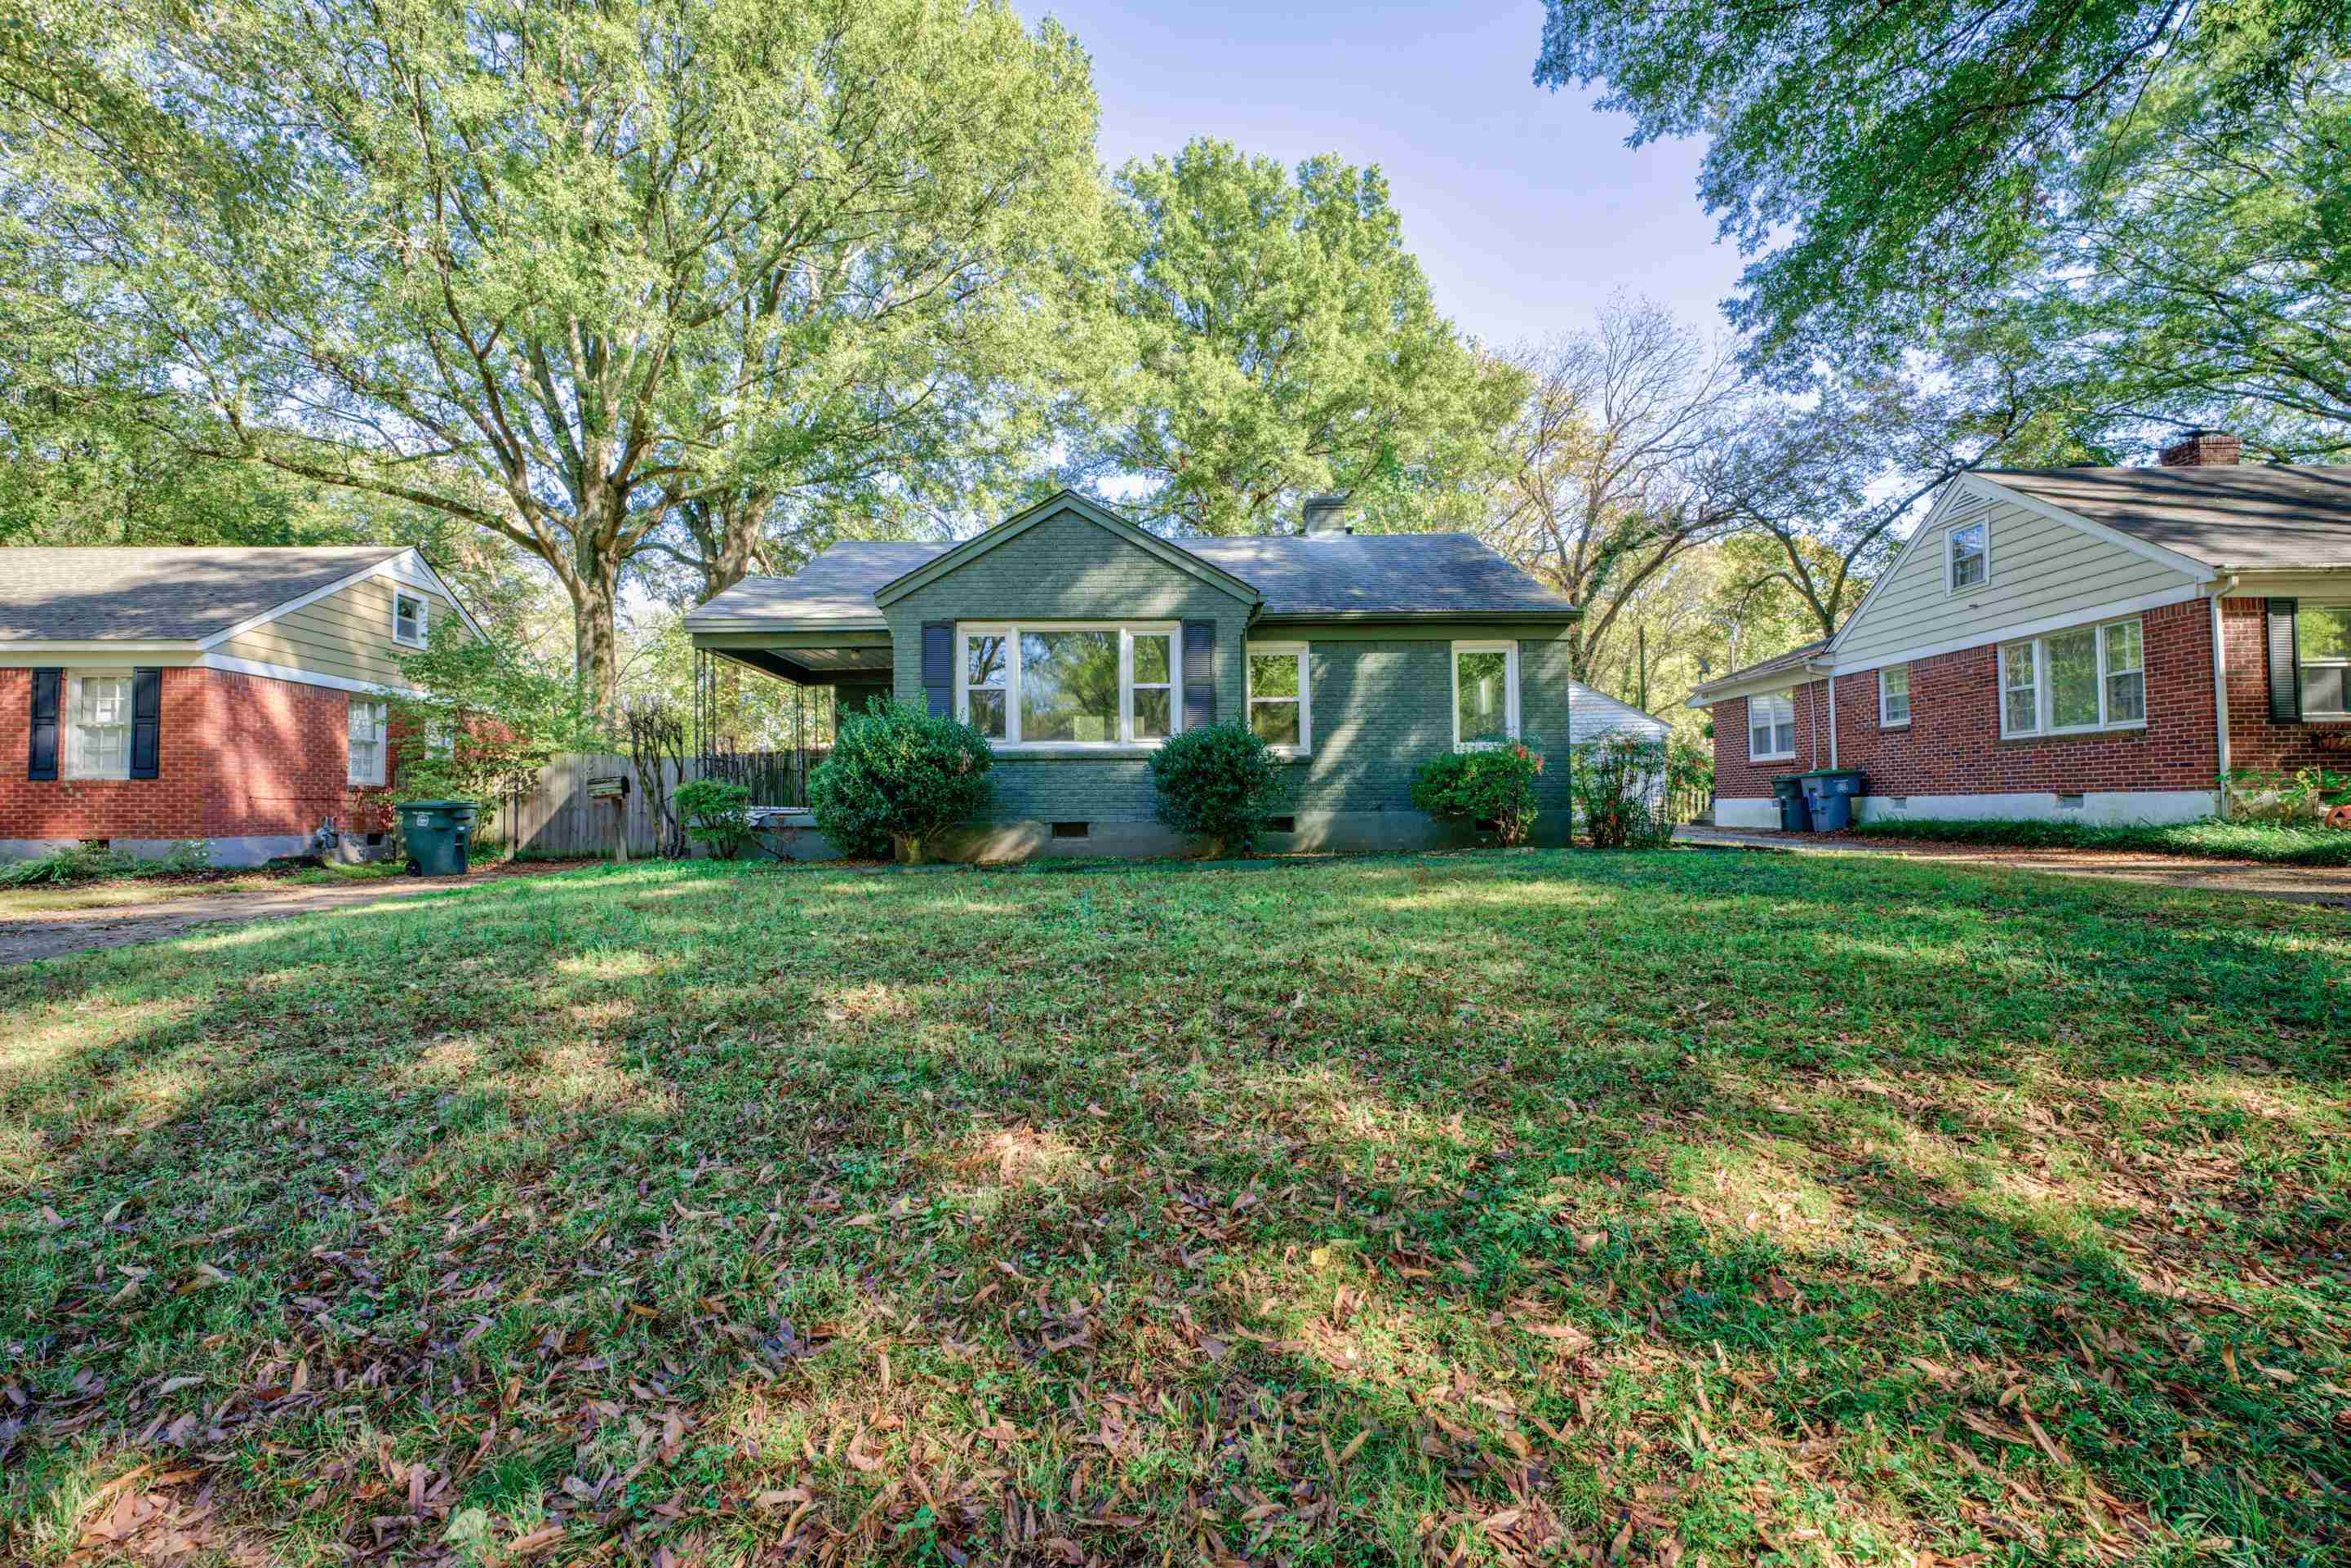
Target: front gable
[
  {"x": 1067, "y": 557},
  {"x": 2046, "y": 567}
]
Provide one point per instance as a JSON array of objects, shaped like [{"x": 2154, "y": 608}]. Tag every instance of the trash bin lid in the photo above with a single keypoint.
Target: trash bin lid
[{"x": 437, "y": 806}]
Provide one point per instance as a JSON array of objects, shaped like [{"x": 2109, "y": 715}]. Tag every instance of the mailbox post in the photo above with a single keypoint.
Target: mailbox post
[{"x": 614, "y": 787}]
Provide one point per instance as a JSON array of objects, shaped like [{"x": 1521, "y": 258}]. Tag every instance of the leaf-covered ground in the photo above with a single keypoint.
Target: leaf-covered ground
[{"x": 1494, "y": 1208}]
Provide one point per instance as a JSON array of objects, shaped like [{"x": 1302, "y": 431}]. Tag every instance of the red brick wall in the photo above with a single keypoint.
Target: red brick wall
[
  {"x": 1735, "y": 777},
  {"x": 2254, "y": 740},
  {"x": 238, "y": 756},
  {"x": 1953, "y": 746}
]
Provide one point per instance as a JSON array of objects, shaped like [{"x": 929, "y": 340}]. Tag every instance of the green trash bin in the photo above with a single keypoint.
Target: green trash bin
[
  {"x": 1829, "y": 792},
  {"x": 439, "y": 833},
  {"x": 1794, "y": 818}
]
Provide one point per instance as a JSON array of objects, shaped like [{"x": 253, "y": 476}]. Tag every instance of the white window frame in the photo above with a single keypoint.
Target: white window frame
[
  {"x": 1952, "y": 586},
  {"x": 1509, "y": 693},
  {"x": 1788, "y": 696},
  {"x": 1886, "y": 719},
  {"x": 424, "y": 618},
  {"x": 70, "y": 721},
  {"x": 2301, "y": 664},
  {"x": 2044, "y": 698},
  {"x": 1297, "y": 650},
  {"x": 1128, "y": 631},
  {"x": 382, "y": 711}
]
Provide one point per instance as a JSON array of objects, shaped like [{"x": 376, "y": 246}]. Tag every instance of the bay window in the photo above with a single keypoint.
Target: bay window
[
  {"x": 2083, "y": 678},
  {"x": 1280, "y": 707},
  {"x": 1077, "y": 685},
  {"x": 98, "y": 726},
  {"x": 1771, "y": 727},
  {"x": 2322, "y": 643}
]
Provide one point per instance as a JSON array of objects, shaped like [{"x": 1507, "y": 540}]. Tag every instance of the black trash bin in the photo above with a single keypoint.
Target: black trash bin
[
  {"x": 1794, "y": 816},
  {"x": 1828, "y": 791},
  {"x": 439, "y": 833}
]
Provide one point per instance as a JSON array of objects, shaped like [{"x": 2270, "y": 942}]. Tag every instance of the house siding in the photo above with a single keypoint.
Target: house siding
[
  {"x": 2041, "y": 570},
  {"x": 250, "y": 764},
  {"x": 347, "y": 634}
]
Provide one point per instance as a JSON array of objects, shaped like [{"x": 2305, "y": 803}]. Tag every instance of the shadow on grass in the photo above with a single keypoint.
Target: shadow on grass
[{"x": 1454, "y": 1156}]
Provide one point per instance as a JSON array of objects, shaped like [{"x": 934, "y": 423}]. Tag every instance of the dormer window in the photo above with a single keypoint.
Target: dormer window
[
  {"x": 1970, "y": 556},
  {"x": 408, "y": 619}
]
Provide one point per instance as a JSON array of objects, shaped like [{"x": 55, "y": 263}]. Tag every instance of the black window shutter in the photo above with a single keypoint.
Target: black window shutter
[
  {"x": 2285, "y": 663},
  {"x": 1199, "y": 674},
  {"x": 48, "y": 685},
  {"x": 146, "y": 722},
  {"x": 939, "y": 666}
]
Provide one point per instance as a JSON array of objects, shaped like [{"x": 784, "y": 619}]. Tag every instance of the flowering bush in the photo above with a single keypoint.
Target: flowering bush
[
  {"x": 1490, "y": 784},
  {"x": 1618, "y": 783}
]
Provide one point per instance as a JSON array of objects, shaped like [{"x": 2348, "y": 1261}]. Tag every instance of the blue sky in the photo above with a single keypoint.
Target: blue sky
[{"x": 1525, "y": 205}]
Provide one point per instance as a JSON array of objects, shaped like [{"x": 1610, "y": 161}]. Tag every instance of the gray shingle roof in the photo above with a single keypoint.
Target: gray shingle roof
[
  {"x": 1378, "y": 574},
  {"x": 160, "y": 595},
  {"x": 2256, "y": 517},
  {"x": 1298, "y": 575}
]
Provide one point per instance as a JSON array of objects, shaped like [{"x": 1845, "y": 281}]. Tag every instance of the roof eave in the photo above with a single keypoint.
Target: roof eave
[{"x": 1415, "y": 617}]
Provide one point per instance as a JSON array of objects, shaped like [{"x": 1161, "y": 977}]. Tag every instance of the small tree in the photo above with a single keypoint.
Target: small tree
[
  {"x": 1491, "y": 784},
  {"x": 716, "y": 814},
  {"x": 484, "y": 722},
  {"x": 900, "y": 776},
  {"x": 1219, "y": 782},
  {"x": 1618, "y": 782}
]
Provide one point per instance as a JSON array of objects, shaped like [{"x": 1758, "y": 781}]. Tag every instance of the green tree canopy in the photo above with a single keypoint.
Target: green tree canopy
[
  {"x": 1264, "y": 336},
  {"x": 1893, "y": 161},
  {"x": 559, "y": 271}
]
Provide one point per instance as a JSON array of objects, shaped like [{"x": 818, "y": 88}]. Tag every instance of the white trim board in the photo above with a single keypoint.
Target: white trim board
[
  {"x": 2190, "y": 565},
  {"x": 300, "y": 677}
]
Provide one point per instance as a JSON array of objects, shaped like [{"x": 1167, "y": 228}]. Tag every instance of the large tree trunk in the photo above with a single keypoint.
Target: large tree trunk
[{"x": 594, "y": 587}]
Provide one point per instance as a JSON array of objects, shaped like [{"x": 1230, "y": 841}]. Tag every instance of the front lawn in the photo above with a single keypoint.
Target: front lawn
[{"x": 1658, "y": 1208}]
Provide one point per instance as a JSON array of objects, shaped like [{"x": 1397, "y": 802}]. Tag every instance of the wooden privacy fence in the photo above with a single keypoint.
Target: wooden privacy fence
[{"x": 558, "y": 817}]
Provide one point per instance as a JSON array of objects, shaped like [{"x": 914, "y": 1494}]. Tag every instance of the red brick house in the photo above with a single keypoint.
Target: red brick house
[
  {"x": 232, "y": 696},
  {"x": 2103, "y": 644}
]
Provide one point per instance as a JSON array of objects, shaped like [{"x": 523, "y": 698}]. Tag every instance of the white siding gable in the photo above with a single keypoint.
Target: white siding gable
[
  {"x": 1591, "y": 715},
  {"x": 2044, "y": 570}
]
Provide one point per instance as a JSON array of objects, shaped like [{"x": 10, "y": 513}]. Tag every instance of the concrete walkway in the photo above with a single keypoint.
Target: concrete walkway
[
  {"x": 2325, "y": 885},
  {"x": 29, "y": 936}
]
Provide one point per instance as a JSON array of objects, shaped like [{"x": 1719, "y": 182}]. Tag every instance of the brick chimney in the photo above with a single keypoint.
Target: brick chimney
[{"x": 2204, "y": 449}]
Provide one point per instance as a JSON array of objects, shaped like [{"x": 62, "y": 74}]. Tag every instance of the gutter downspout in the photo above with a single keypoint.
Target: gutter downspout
[
  {"x": 1832, "y": 761},
  {"x": 2221, "y": 691}
]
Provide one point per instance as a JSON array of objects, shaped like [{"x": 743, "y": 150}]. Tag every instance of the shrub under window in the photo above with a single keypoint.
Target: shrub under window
[
  {"x": 900, "y": 777},
  {"x": 1219, "y": 782},
  {"x": 1493, "y": 784}
]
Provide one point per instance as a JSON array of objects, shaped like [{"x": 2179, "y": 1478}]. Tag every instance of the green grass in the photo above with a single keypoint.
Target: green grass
[
  {"x": 1502, "y": 1207},
  {"x": 2279, "y": 844}
]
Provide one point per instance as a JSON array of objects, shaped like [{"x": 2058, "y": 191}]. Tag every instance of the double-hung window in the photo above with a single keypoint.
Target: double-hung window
[
  {"x": 368, "y": 724},
  {"x": 1969, "y": 545},
  {"x": 409, "y": 618},
  {"x": 1771, "y": 727},
  {"x": 1281, "y": 702},
  {"x": 1893, "y": 696},
  {"x": 1485, "y": 693},
  {"x": 2081, "y": 679},
  {"x": 1097, "y": 683},
  {"x": 2323, "y": 642},
  {"x": 97, "y": 725}
]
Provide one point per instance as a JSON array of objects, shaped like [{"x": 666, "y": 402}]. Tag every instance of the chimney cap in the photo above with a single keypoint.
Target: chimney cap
[{"x": 1322, "y": 514}]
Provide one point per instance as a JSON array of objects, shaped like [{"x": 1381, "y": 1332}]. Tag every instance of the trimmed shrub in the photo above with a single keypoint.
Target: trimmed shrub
[
  {"x": 1219, "y": 782},
  {"x": 716, "y": 814},
  {"x": 1618, "y": 784},
  {"x": 1490, "y": 784},
  {"x": 898, "y": 777}
]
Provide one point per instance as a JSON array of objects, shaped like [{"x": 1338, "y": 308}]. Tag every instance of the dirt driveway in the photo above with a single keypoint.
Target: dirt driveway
[
  {"x": 28, "y": 935},
  {"x": 2329, "y": 886}
]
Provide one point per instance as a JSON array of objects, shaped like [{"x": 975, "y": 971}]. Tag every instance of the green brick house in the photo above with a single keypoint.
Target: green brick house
[{"x": 1077, "y": 642}]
